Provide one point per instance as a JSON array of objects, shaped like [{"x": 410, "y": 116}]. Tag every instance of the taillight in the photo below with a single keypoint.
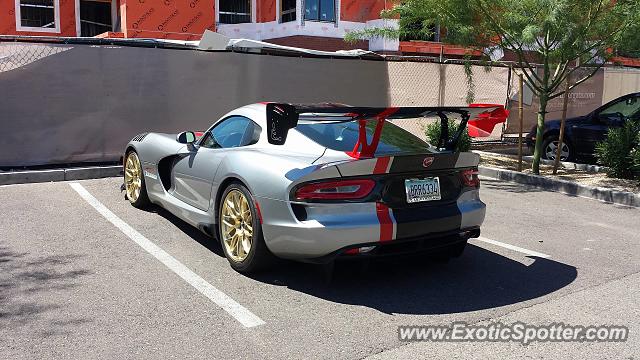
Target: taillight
[
  {"x": 336, "y": 190},
  {"x": 470, "y": 178}
]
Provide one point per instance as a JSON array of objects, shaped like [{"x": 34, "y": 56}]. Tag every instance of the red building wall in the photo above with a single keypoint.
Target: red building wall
[
  {"x": 362, "y": 10},
  {"x": 265, "y": 10},
  {"x": 67, "y": 19},
  {"x": 167, "y": 19},
  {"x": 182, "y": 19}
]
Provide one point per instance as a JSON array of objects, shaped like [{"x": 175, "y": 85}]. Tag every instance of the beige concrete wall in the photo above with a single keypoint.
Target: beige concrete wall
[{"x": 620, "y": 81}]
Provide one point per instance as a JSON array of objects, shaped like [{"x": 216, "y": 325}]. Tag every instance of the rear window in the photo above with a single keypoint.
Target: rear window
[{"x": 344, "y": 136}]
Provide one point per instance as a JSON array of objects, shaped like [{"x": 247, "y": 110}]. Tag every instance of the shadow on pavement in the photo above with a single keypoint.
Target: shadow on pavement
[
  {"x": 208, "y": 242},
  {"x": 570, "y": 190},
  {"x": 480, "y": 279},
  {"x": 26, "y": 281}
]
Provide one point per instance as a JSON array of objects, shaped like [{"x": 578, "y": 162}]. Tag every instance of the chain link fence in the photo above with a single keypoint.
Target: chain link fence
[
  {"x": 16, "y": 55},
  {"x": 433, "y": 83}
]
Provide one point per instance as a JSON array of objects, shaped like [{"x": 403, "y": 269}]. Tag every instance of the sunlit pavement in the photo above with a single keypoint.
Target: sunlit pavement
[{"x": 74, "y": 285}]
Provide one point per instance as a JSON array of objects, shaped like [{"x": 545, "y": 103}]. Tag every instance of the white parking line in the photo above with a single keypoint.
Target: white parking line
[
  {"x": 513, "y": 247},
  {"x": 239, "y": 312}
]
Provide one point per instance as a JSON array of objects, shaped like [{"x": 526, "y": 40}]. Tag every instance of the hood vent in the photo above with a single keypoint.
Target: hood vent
[{"x": 139, "y": 137}]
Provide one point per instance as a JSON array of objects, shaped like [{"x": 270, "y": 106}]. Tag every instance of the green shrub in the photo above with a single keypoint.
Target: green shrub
[
  {"x": 619, "y": 150},
  {"x": 635, "y": 159},
  {"x": 432, "y": 131}
]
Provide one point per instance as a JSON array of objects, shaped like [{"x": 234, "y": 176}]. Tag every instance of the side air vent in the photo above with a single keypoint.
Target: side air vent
[{"x": 139, "y": 137}]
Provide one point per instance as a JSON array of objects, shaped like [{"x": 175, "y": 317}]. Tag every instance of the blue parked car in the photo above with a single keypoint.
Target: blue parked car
[{"x": 582, "y": 133}]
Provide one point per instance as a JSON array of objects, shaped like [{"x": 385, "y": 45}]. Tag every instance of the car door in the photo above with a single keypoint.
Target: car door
[
  {"x": 587, "y": 134},
  {"x": 611, "y": 115},
  {"x": 194, "y": 171}
]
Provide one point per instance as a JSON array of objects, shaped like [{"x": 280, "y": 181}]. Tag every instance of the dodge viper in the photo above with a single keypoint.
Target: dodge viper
[{"x": 317, "y": 182}]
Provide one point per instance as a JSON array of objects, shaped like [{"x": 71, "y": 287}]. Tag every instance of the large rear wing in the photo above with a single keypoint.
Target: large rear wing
[{"x": 481, "y": 119}]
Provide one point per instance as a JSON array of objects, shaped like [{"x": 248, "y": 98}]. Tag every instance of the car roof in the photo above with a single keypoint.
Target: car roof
[
  {"x": 296, "y": 142},
  {"x": 256, "y": 112}
]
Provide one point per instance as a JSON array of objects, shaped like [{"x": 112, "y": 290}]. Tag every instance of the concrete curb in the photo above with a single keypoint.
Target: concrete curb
[
  {"x": 564, "y": 164},
  {"x": 563, "y": 186},
  {"x": 78, "y": 173},
  {"x": 545, "y": 183}
]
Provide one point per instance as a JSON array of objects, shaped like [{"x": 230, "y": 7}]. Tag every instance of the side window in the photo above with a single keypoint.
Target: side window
[
  {"x": 233, "y": 131},
  {"x": 628, "y": 107}
]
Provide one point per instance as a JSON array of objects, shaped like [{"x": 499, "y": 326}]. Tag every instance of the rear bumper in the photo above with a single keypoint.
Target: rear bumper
[
  {"x": 331, "y": 229},
  {"x": 428, "y": 244}
]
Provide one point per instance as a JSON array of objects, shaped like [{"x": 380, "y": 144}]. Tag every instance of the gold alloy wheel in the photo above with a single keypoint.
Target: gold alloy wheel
[
  {"x": 133, "y": 177},
  {"x": 236, "y": 225}
]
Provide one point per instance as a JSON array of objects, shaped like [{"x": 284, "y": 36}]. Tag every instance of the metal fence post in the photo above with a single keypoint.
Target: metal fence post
[
  {"x": 565, "y": 99},
  {"x": 442, "y": 82},
  {"x": 520, "y": 118}
]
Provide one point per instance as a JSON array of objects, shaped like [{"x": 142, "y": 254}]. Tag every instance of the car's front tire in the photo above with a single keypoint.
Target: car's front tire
[
  {"x": 240, "y": 231},
  {"x": 550, "y": 146},
  {"x": 135, "y": 187}
]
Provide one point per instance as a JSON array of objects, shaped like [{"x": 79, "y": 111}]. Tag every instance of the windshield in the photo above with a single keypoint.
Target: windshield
[{"x": 344, "y": 136}]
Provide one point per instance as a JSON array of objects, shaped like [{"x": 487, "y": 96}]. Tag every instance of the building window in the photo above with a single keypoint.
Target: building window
[
  {"x": 320, "y": 10},
  {"x": 95, "y": 18},
  {"x": 288, "y": 11},
  {"x": 38, "y": 15},
  {"x": 234, "y": 11},
  {"x": 414, "y": 29}
]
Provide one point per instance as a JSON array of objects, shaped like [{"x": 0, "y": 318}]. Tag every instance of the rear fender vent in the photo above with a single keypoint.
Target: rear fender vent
[{"x": 139, "y": 137}]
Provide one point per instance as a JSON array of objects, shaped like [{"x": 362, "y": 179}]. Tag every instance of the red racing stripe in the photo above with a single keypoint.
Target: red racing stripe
[
  {"x": 381, "y": 165},
  {"x": 386, "y": 223}
]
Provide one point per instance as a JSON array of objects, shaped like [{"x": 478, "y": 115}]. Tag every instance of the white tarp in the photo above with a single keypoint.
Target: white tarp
[{"x": 215, "y": 41}]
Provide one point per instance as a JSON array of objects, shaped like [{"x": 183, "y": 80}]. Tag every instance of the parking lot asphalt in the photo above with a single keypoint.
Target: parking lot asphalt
[{"x": 74, "y": 285}]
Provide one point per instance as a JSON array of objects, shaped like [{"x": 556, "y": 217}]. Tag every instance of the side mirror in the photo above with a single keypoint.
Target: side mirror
[{"x": 186, "y": 137}]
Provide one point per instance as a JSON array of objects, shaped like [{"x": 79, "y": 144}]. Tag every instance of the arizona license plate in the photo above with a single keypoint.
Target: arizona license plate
[{"x": 419, "y": 190}]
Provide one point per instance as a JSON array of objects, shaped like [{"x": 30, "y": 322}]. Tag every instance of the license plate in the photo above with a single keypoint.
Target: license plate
[{"x": 419, "y": 190}]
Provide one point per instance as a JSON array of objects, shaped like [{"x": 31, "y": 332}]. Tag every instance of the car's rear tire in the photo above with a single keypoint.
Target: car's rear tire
[
  {"x": 240, "y": 231},
  {"x": 135, "y": 187},
  {"x": 550, "y": 146}
]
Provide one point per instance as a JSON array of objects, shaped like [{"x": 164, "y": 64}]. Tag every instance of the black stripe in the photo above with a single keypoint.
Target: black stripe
[
  {"x": 419, "y": 221},
  {"x": 411, "y": 163}
]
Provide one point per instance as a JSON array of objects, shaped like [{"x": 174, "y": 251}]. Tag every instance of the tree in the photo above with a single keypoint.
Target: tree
[{"x": 553, "y": 40}]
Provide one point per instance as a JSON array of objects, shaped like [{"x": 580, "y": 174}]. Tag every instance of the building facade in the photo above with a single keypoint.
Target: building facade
[
  {"x": 315, "y": 24},
  {"x": 312, "y": 24}
]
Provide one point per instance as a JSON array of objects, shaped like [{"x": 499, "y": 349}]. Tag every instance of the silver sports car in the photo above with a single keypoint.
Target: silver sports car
[{"x": 316, "y": 182}]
